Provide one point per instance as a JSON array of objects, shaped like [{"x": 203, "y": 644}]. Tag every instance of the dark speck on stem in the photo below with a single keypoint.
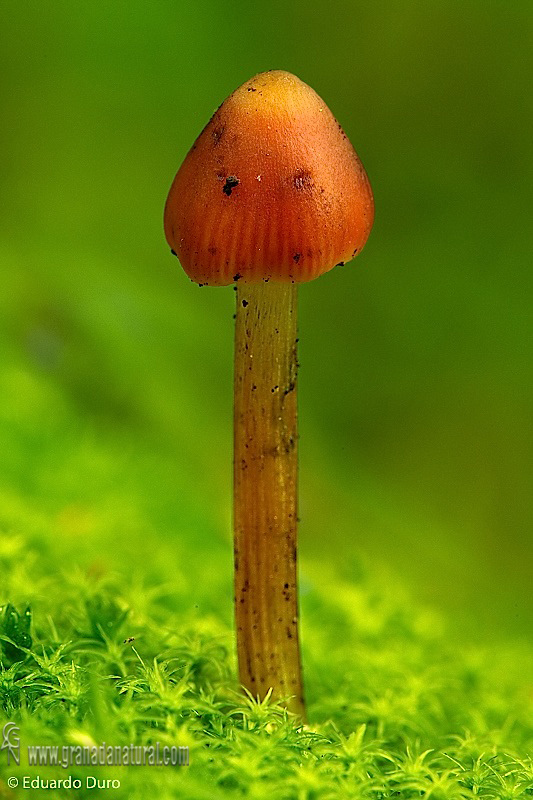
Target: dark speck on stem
[{"x": 244, "y": 303}]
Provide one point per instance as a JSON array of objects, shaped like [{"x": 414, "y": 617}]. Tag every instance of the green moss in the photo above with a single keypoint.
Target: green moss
[
  {"x": 397, "y": 707},
  {"x": 126, "y": 577}
]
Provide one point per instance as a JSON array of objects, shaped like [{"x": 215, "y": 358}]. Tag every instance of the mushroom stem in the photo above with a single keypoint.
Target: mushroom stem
[{"x": 265, "y": 491}]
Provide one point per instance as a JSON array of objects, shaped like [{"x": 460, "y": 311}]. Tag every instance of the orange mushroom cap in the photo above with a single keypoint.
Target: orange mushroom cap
[{"x": 272, "y": 189}]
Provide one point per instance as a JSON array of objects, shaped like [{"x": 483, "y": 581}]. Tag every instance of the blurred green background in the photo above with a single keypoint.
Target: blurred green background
[{"x": 416, "y": 360}]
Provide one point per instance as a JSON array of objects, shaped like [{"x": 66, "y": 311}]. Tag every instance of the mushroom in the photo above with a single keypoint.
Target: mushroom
[{"x": 271, "y": 194}]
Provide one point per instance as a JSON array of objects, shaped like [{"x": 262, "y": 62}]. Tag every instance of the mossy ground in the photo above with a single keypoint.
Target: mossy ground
[{"x": 131, "y": 641}]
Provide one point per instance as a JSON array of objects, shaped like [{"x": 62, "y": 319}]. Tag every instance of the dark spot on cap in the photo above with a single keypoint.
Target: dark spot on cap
[
  {"x": 340, "y": 264},
  {"x": 244, "y": 303},
  {"x": 217, "y": 134},
  {"x": 296, "y": 257},
  {"x": 354, "y": 252},
  {"x": 237, "y": 276},
  {"x": 231, "y": 183},
  {"x": 212, "y": 250},
  {"x": 252, "y": 89},
  {"x": 302, "y": 180}
]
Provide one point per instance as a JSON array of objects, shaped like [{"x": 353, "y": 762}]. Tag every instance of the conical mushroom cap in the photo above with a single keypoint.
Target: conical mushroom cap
[{"x": 272, "y": 189}]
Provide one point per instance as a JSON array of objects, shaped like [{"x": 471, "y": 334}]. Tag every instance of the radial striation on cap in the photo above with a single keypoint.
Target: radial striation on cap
[{"x": 272, "y": 189}]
